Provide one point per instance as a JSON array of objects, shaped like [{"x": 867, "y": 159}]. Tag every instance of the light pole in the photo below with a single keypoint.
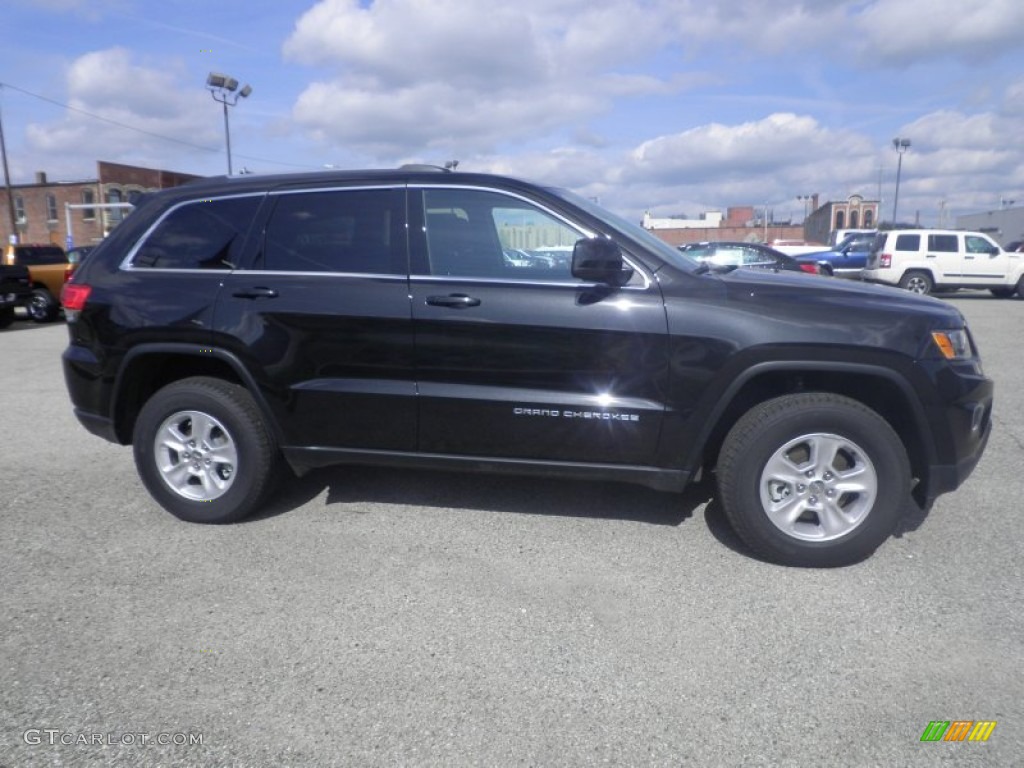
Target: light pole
[
  {"x": 901, "y": 146},
  {"x": 806, "y": 200},
  {"x": 224, "y": 89}
]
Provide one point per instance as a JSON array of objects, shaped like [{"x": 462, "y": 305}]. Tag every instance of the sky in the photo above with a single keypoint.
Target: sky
[{"x": 675, "y": 107}]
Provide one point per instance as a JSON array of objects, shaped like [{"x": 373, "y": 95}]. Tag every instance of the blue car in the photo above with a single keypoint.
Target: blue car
[{"x": 847, "y": 259}]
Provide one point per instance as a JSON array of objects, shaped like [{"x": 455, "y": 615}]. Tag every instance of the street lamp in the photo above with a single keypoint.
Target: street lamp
[
  {"x": 224, "y": 89},
  {"x": 807, "y": 200},
  {"x": 901, "y": 146}
]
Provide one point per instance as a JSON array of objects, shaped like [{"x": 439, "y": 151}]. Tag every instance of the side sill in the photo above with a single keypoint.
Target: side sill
[{"x": 302, "y": 460}]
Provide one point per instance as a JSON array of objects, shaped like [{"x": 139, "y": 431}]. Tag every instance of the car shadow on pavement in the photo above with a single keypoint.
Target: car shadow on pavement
[
  {"x": 363, "y": 488},
  {"x": 913, "y": 517}
]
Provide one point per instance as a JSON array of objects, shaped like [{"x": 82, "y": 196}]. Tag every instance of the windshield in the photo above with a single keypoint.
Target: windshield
[{"x": 634, "y": 231}]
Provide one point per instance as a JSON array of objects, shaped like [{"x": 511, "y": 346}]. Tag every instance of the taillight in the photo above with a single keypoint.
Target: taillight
[
  {"x": 884, "y": 260},
  {"x": 811, "y": 268},
  {"x": 69, "y": 270},
  {"x": 74, "y": 296}
]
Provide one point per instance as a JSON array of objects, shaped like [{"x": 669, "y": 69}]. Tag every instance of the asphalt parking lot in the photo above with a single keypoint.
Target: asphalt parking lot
[{"x": 375, "y": 617}]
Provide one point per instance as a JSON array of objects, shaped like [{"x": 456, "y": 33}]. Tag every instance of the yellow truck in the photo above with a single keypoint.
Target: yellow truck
[{"x": 48, "y": 269}]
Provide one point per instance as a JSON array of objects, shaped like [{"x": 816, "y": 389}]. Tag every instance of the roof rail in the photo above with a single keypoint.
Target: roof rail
[{"x": 423, "y": 167}]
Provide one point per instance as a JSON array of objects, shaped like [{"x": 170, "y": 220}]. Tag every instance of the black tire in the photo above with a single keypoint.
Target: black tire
[
  {"x": 1020, "y": 288},
  {"x": 6, "y": 316},
  {"x": 862, "y": 520},
  {"x": 42, "y": 307},
  {"x": 236, "y": 440},
  {"x": 1002, "y": 293},
  {"x": 917, "y": 281}
]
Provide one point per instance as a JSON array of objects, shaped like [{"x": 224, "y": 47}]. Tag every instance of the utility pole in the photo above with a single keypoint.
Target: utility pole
[{"x": 7, "y": 179}]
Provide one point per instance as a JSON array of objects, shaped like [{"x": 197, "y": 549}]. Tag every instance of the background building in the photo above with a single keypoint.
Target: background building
[
  {"x": 853, "y": 213},
  {"x": 40, "y": 215},
  {"x": 743, "y": 223},
  {"x": 1002, "y": 226}
]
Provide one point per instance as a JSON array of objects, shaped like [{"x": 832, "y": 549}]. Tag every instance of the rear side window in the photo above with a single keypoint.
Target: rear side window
[
  {"x": 943, "y": 243},
  {"x": 340, "y": 230},
  {"x": 201, "y": 235},
  {"x": 36, "y": 257},
  {"x": 908, "y": 242}
]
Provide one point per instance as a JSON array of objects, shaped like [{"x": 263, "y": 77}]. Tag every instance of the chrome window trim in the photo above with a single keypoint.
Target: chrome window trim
[{"x": 126, "y": 264}]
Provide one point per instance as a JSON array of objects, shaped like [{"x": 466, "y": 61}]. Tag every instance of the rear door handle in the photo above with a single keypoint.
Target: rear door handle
[
  {"x": 456, "y": 300},
  {"x": 259, "y": 292}
]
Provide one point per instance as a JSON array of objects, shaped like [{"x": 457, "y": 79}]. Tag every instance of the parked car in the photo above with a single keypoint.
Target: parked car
[
  {"x": 926, "y": 260},
  {"x": 49, "y": 269},
  {"x": 76, "y": 255},
  {"x": 15, "y": 291},
  {"x": 232, "y": 325},
  {"x": 847, "y": 259},
  {"x": 722, "y": 253}
]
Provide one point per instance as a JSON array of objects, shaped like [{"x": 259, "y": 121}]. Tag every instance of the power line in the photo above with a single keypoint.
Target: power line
[{"x": 142, "y": 130}]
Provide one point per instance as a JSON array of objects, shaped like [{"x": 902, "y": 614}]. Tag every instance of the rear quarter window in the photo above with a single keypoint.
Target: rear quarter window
[
  {"x": 908, "y": 243},
  {"x": 205, "y": 234}
]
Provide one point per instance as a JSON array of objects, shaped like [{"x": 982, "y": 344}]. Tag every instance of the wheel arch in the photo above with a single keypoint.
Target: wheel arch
[
  {"x": 883, "y": 390},
  {"x": 149, "y": 367}
]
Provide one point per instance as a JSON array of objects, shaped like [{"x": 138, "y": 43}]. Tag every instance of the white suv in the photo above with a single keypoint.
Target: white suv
[{"x": 923, "y": 260}]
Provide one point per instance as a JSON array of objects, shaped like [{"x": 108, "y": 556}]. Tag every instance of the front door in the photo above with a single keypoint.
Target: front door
[{"x": 517, "y": 358}]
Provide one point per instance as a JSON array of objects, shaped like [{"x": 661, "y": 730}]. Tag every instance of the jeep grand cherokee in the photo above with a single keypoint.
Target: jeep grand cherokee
[{"x": 371, "y": 317}]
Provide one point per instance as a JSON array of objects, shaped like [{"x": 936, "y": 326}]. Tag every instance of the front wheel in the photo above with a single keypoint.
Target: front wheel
[
  {"x": 6, "y": 316},
  {"x": 204, "y": 451},
  {"x": 813, "y": 479},
  {"x": 1002, "y": 293}
]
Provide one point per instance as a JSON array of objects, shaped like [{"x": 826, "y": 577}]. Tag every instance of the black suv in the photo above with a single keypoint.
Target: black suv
[{"x": 373, "y": 317}]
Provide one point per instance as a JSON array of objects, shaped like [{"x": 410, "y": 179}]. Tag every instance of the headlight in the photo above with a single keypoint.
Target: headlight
[{"x": 954, "y": 345}]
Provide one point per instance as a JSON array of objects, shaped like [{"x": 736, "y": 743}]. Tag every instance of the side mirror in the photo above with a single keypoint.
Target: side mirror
[{"x": 599, "y": 260}]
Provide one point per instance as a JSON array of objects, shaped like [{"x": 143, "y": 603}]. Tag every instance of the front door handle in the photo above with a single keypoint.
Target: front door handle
[
  {"x": 456, "y": 300},
  {"x": 259, "y": 292}
]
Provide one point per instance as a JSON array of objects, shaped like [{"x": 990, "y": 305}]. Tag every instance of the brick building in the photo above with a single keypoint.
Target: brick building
[
  {"x": 740, "y": 223},
  {"x": 40, "y": 215},
  {"x": 853, "y": 213}
]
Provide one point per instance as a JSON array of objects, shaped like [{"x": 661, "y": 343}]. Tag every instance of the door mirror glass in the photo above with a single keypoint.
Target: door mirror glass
[{"x": 599, "y": 260}]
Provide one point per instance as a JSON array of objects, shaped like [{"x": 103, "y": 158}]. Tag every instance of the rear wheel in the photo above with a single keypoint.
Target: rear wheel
[
  {"x": 42, "y": 307},
  {"x": 917, "y": 282},
  {"x": 204, "y": 452},
  {"x": 1002, "y": 293},
  {"x": 813, "y": 479},
  {"x": 6, "y": 316}
]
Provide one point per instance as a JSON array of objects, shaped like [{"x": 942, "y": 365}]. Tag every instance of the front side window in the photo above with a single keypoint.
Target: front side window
[
  {"x": 200, "y": 235},
  {"x": 975, "y": 244},
  {"x": 942, "y": 243},
  {"x": 473, "y": 233},
  {"x": 339, "y": 230}
]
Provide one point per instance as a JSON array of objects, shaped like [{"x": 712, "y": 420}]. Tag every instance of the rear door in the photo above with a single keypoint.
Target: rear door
[
  {"x": 944, "y": 257},
  {"x": 323, "y": 316},
  {"x": 521, "y": 360}
]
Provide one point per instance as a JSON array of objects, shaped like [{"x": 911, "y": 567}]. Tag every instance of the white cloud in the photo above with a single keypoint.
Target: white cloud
[{"x": 112, "y": 85}]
